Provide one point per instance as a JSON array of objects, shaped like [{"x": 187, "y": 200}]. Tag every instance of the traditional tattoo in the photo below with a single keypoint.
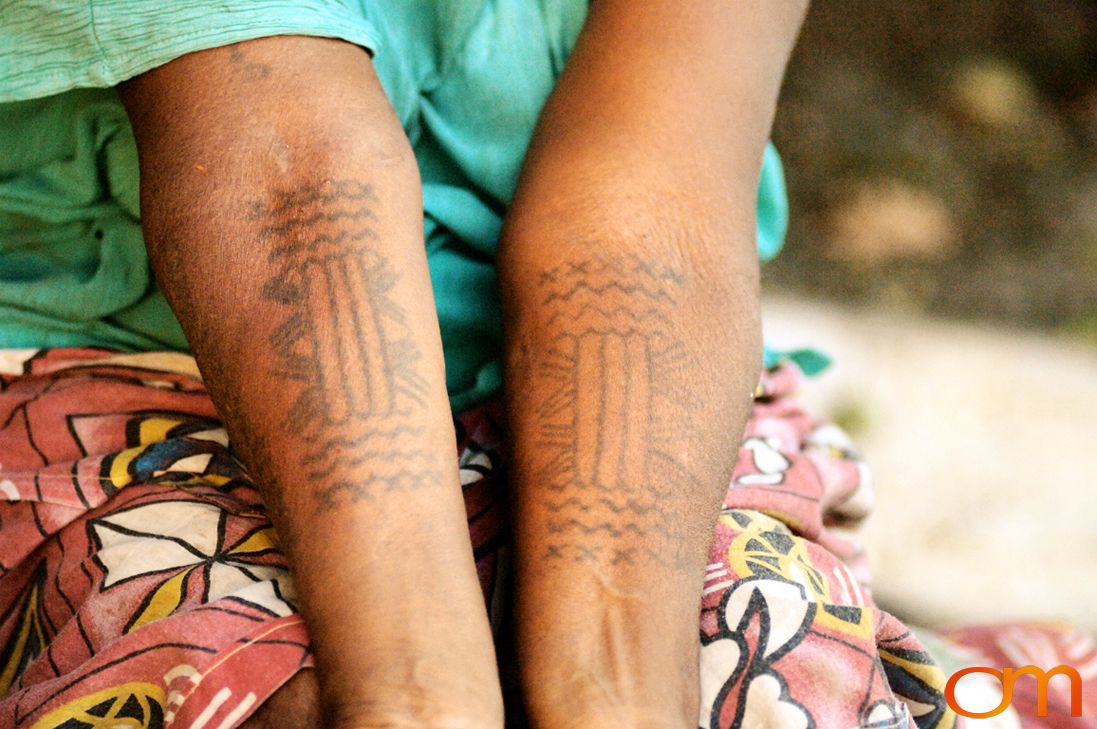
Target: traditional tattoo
[
  {"x": 346, "y": 343},
  {"x": 609, "y": 410},
  {"x": 250, "y": 71}
]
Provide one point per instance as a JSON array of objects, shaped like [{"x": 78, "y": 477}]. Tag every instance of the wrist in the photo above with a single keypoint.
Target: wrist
[
  {"x": 634, "y": 715},
  {"x": 567, "y": 694},
  {"x": 406, "y": 712}
]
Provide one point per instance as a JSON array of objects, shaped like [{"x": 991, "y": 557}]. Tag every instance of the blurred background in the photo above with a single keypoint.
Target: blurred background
[{"x": 942, "y": 169}]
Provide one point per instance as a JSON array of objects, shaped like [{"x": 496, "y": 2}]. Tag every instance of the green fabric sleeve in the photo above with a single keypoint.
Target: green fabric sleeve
[
  {"x": 467, "y": 79},
  {"x": 51, "y": 46}
]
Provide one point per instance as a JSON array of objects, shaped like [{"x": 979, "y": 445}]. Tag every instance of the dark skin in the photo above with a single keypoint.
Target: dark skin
[{"x": 629, "y": 284}]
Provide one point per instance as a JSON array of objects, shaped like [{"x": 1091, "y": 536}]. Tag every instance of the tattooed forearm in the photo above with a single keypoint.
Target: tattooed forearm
[
  {"x": 345, "y": 343},
  {"x": 282, "y": 206},
  {"x": 611, "y": 396}
]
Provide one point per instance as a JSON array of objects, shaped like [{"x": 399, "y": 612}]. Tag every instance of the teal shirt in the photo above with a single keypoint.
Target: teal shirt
[{"x": 467, "y": 79}]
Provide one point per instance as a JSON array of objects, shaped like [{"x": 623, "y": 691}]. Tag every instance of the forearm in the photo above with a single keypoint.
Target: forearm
[
  {"x": 289, "y": 242},
  {"x": 631, "y": 365},
  {"x": 631, "y": 372},
  {"x": 630, "y": 292}
]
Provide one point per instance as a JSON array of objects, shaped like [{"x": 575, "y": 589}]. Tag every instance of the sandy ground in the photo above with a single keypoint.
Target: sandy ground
[{"x": 983, "y": 445}]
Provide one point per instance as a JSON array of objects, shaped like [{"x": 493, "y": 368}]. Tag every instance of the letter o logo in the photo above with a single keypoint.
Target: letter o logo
[{"x": 950, "y": 693}]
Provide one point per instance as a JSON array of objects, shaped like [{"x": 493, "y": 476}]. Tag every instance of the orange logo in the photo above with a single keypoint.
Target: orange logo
[{"x": 1007, "y": 677}]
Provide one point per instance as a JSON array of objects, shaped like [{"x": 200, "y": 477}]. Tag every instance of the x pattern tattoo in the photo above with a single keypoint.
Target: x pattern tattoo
[
  {"x": 611, "y": 403},
  {"x": 345, "y": 342}
]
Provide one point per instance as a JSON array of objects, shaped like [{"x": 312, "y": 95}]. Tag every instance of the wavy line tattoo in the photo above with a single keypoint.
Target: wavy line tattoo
[
  {"x": 346, "y": 342},
  {"x": 608, "y": 413}
]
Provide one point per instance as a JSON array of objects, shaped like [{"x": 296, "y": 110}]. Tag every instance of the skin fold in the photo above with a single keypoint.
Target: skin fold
[{"x": 283, "y": 215}]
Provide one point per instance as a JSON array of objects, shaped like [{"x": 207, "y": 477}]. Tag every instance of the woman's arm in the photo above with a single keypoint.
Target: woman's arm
[
  {"x": 630, "y": 290},
  {"x": 282, "y": 211}
]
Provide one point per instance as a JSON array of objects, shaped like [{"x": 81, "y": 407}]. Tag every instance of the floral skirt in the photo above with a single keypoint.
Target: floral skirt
[{"x": 141, "y": 584}]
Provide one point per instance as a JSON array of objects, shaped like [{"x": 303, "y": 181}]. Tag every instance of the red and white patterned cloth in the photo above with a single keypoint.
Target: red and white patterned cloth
[{"x": 141, "y": 583}]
